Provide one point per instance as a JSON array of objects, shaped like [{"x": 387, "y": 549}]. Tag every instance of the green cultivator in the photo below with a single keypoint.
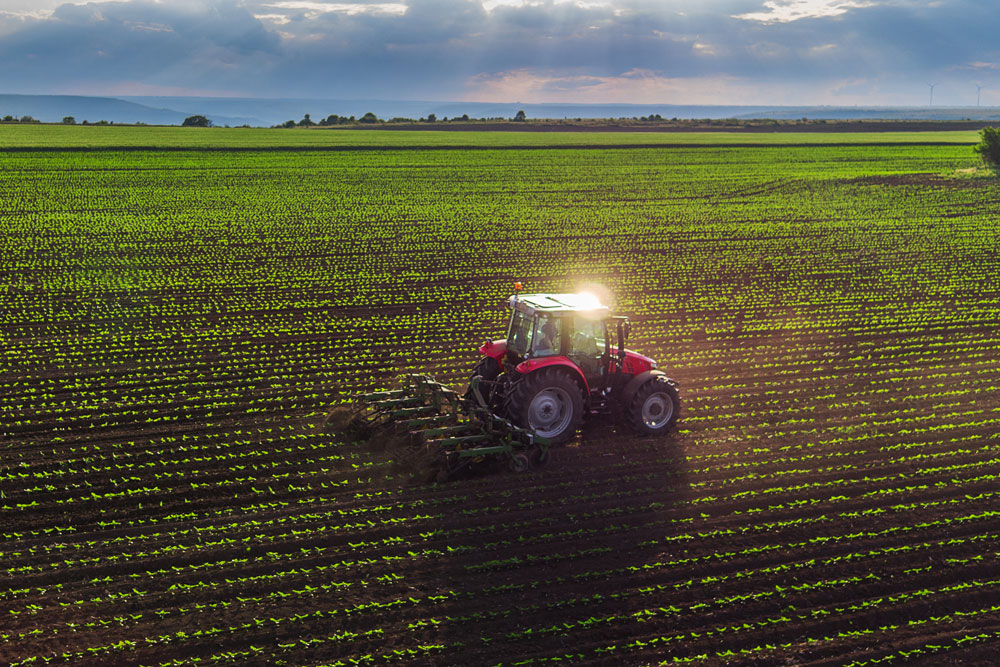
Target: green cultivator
[{"x": 452, "y": 429}]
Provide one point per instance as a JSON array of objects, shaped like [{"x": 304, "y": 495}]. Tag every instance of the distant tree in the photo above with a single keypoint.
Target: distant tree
[
  {"x": 368, "y": 118},
  {"x": 306, "y": 121},
  {"x": 69, "y": 120},
  {"x": 289, "y": 124},
  {"x": 196, "y": 121},
  {"x": 330, "y": 120},
  {"x": 8, "y": 119},
  {"x": 27, "y": 119},
  {"x": 464, "y": 117},
  {"x": 102, "y": 122},
  {"x": 520, "y": 116},
  {"x": 431, "y": 118},
  {"x": 989, "y": 146}
]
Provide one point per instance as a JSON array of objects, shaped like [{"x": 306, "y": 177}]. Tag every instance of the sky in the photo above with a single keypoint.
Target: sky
[{"x": 753, "y": 52}]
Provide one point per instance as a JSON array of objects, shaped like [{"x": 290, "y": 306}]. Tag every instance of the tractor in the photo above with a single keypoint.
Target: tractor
[{"x": 564, "y": 357}]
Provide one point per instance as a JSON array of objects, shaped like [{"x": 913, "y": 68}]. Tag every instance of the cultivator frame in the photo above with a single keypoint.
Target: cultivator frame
[{"x": 455, "y": 430}]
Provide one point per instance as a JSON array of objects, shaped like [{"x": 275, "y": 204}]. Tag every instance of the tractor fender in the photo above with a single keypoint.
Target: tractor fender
[
  {"x": 639, "y": 380},
  {"x": 531, "y": 365}
]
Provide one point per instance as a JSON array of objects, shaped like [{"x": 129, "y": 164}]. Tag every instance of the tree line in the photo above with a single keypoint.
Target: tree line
[
  {"x": 371, "y": 119},
  {"x": 67, "y": 120}
]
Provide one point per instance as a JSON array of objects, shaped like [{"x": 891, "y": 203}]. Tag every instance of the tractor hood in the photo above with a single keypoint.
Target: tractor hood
[
  {"x": 635, "y": 363},
  {"x": 494, "y": 348}
]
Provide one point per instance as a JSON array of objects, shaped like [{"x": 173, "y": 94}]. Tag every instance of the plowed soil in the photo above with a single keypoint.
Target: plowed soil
[{"x": 178, "y": 486}]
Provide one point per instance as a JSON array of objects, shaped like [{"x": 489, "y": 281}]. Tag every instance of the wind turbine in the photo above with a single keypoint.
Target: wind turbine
[
  {"x": 931, "y": 103},
  {"x": 979, "y": 92}
]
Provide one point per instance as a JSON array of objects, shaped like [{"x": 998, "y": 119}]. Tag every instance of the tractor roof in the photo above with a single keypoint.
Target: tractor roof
[{"x": 560, "y": 303}]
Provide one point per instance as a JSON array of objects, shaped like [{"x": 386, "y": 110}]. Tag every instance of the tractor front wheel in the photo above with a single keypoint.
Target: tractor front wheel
[
  {"x": 549, "y": 403},
  {"x": 654, "y": 407}
]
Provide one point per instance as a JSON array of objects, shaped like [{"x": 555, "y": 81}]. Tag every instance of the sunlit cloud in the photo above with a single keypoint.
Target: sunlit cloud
[
  {"x": 490, "y": 5},
  {"x": 349, "y": 8},
  {"x": 705, "y": 49},
  {"x": 278, "y": 19},
  {"x": 783, "y": 11},
  {"x": 147, "y": 27},
  {"x": 979, "y": 65},
  {"x": 822, "y": 49},
  {"x": 636, "y": 86},
  {"x": 640, "y": 86}
]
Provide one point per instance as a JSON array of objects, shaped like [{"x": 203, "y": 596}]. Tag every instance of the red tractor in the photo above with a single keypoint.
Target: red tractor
[{"x": 564, "y": 357}]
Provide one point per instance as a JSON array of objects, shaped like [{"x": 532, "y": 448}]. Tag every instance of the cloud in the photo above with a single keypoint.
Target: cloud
[
  {"x": 781, "y": 11},
  {"x": 653, "y": 50},
  {"x": 632, "y": 87},
  {"x": 317, "y": 8},
  {"x": 105, "y": 45}
]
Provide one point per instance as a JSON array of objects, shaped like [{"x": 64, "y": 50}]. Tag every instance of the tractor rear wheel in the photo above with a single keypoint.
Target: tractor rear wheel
[
  {"x": 654, "y": 407},
  {"x": 548, "y": 402}
]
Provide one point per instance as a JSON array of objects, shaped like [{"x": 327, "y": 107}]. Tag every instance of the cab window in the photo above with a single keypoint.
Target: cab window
[
  {"x": 548, "y": 333},
  {"x": 519, "y": 335},
  {"x": 587, "y": 338}
]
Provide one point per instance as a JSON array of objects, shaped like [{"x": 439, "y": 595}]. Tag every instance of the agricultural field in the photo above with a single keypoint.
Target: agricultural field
[{"x": 183, "y": 310}]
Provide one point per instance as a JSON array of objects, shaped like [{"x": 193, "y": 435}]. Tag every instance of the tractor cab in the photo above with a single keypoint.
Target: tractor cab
[{"x": 575, "y": 326}]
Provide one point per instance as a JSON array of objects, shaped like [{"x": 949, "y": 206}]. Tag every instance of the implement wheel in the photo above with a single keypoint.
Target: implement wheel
[
  {"x": 654, "y": 408},
  {"x": 519, "y": 463},
  {"x": 549, "y": 403}
]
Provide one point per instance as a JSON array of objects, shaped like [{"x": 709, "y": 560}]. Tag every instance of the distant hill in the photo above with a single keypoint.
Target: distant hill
[
  {"x": 53, "y": 108},
  {"x": 266, "y": 112},
  {"x": 275, "y": 111}
]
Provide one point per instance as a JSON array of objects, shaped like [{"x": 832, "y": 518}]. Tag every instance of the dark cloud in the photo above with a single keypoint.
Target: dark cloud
[
  {"x": 436, "y": 47},
  {"x": 156, "y": 44}
]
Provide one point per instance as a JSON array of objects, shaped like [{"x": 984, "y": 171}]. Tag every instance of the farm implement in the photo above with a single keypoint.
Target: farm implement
[
  {"x": 453, "y": 430},
  {"x": 564, "y": 357}
]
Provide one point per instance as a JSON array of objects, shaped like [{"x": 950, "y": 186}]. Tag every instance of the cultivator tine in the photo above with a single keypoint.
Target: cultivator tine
[
  {"x": 453, "y": 428},
  {"x": 421, "y": 398},
  {"x": 420, "y": 424}
]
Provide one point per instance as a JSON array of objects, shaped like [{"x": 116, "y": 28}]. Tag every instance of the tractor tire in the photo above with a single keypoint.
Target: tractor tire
[
  {"x": 547, "y": 402},
  {"x": 489, "y": 370},
  {"x": 654, "y": 408}
]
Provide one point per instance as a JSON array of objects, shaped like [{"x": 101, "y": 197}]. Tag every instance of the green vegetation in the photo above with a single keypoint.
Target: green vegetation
[
  {"x": 183, "y": 307},
  {"x": 33, "y": 136},
  {"x": 989, "y": 146},
  {"x": 196, "y": 121}
]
